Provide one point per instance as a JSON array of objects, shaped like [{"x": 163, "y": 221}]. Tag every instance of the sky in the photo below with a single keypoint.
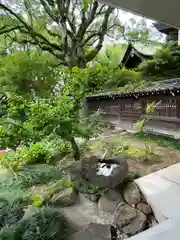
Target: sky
[{"x": 125, "y": 16}]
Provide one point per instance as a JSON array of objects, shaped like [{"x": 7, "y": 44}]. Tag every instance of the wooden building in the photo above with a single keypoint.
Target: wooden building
[
  {"x": 170, "y": 32},
  {"x": 126, "y": 108},
  {"x": 136, "y": 53}
]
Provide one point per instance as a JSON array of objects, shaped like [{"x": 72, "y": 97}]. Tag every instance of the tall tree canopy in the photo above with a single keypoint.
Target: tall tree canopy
[{"x": 71, "y": 30}]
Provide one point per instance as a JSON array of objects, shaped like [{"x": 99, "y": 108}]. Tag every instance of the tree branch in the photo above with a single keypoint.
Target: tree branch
[
  {"x": 48, "y": 11},
  {"x": 34, "y": 35},
  {"x": 4, "y": 30},
  {"x": 101, "y": 34},
  {"x": 85, "y": 23}
]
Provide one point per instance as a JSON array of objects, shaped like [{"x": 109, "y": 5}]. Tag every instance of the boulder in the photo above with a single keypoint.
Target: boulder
[
  {"x": 93, "y": 231},
  {"x": 109, "y": 201},
  {"x": 111, "y": 180},
  {"x": 144, "y": 207},
  {"x": 129, "y": 220},
  {"x": 85, "y": 172},
  {"x": 131, "y": 193},
  {"x": 64, "y": 198}
]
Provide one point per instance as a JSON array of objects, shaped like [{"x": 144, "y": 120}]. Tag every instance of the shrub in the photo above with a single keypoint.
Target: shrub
[
  {"x": 13, "y": 192},
  {"x": 122, "y": 78},
  {"x": 10, "y": 213},
  {"x": 47, "y": 223},
  {"x": 165, "y": 63},
  {"x": 40, "y": 152},
  {"x": 35, "y": 175},
  {"x": 7, "y": 233},
  {"x": 98, "y": 78}
]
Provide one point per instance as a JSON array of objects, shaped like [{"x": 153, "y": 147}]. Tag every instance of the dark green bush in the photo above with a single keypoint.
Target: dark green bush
[
  {"x": 47, "y": 224},
  {"x": 10, "y": 212},
  {"x": 37, "y": 175},
  {"x": 98, "y": 78},
  {"x": 13, "y": 188},
  {"x": 7, "y": 233},
  {"x": 165, "y": 64},
  {"x": 121, "y": 78}
]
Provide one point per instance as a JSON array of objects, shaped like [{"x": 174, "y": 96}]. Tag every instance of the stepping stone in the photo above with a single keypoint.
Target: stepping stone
[
  {"x": 84, "y": 212},
  {"x": 93, "y": 231}
]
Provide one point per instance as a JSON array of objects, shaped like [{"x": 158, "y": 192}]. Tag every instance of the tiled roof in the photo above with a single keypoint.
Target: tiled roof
[{"x": 171, "y": 86}]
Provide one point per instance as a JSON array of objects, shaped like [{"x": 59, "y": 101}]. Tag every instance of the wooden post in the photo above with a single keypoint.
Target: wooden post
[
  {"x": 143, "y": 107},
  {"x": 178, "y": 107},
  {"x": 178, "y": 36}
]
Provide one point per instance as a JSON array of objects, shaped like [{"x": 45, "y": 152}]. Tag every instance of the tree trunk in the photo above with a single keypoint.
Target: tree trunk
[{"x": 76, "y": 150}]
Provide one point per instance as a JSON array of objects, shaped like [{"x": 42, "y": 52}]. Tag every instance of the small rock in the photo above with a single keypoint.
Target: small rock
[
  {"x": 64, "y": 198},
  {"x": 129, "y": 220},
  {"x": 92, "y": 197},
  {"x": 109, "y": 201},
  {"x": 132, "y": 194},
  {"x": 153, "y": 222},
  {"x": 145, "y": 208},
  {"x": 93, "y": 231}
]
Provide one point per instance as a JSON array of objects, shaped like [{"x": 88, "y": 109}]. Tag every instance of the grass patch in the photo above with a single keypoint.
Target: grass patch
[
  {"x": 34, "y": 175},
  {"x": 162, "y": 141},
  {"x": 118, "y": 147},
  {"x": 15, "y": 196}
]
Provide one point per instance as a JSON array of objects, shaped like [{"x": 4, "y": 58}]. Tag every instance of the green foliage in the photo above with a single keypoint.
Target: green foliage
[
  {"x": 140, "y": 125},
  {"x": 39, "y": 152},
  {"x": 98, "y": 78},
  {"x": 13, "y": 130},
  {"x": 37, "y": 200},
  {"x": 60, "y": 119},
  {"x": 150, "y": 147},
  {"x": 119, "y": 148},
  {"x": 115, "y": 148},
  {"x": 10, "y": 213},
  {"x": 30, "y": 176},
  {"x": 57, "y": 186},
  {"x": 122, "y": 78},
  {"x": 110, "y": 55},
  {"x": 150, "y": 108},
  {"x": 7, "y": 233},
  {"x": 94, "y": 190},
  {"x": 87, "y": 80},
  {"x": 165, "y": 63},
  {"x": 47, "y": 223},
  {"x": 32, "y": 74},
  {"x": 163, "y": 141},
  {"x": 131, "y": 176}
]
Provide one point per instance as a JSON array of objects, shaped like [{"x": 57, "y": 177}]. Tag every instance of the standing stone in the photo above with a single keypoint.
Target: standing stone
[
  {"x": 144, "y": 207},
  {"x": 92, "y": 197},
  {"x": 64, "y": 198},
  {"x": 94, "y": 231},
  {"x": 111, "y": 181},
  {"x": 132, "y": 194},
  {"x": 129, "y": 220},
  {"x": 109, "y": 201},
  {"x": 30, "y": 211}
]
